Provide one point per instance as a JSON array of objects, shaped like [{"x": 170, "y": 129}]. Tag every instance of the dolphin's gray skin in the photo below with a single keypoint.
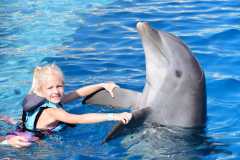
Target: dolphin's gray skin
[{"x": 175, "y": 84}]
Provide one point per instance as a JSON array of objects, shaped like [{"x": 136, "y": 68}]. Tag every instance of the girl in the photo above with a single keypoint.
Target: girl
[{"x": 42, "y": 108}]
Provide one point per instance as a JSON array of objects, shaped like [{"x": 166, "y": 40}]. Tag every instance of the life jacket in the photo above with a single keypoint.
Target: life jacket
[{"x": 33, "y": 106}]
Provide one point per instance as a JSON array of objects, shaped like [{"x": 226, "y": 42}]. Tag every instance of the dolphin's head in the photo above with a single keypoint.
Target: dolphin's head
[
  {"x": 175, "y": 82},
  {"x": 167, "y": 54}
]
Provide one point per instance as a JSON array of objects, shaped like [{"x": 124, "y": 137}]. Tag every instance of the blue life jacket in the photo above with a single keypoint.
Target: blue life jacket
[{"x": 33, "y": 106}]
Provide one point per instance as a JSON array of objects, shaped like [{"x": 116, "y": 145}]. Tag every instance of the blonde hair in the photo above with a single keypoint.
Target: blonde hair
[{"x": 40, "y": 75}]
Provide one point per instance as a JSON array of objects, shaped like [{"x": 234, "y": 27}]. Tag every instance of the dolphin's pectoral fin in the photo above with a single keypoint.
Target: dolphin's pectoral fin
[
  {"x": 137, "y": 120},
  {"x": 123, "y": 98}
]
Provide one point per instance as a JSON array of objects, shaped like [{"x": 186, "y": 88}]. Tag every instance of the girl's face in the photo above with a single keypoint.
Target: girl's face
[{"x": 53, "y": 88}]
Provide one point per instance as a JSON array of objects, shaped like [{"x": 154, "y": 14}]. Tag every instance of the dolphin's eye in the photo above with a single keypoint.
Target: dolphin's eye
[{"x": 178, "y": 73}]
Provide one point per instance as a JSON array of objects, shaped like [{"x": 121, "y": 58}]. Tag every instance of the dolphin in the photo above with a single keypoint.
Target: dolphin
[{"x": 174, "y": 93}]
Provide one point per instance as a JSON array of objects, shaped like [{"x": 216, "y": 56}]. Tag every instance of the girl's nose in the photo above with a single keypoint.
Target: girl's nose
[{"x": 55, "y": 90}]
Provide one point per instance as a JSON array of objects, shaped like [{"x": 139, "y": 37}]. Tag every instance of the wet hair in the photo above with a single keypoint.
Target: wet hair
[{"x": 40, "y": 75}]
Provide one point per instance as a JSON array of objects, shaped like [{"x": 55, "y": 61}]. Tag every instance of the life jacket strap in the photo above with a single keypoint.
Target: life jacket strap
[{"x": 41, "y": 109}]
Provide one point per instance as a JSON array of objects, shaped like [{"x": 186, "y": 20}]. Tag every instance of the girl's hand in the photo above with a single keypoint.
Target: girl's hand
[
  {"x": 109, "y": 86},
  {"x": 18, "y": 141},
  {"x": 124, "y": 117}
]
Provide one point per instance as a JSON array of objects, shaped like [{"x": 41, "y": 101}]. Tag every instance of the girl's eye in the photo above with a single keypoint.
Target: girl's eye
[
  {"x": 60, "y": 86},
  {"x": 50, "y": 87}
]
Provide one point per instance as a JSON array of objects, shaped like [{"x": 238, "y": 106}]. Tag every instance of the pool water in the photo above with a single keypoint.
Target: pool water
[{"x": 96, "y": 41}]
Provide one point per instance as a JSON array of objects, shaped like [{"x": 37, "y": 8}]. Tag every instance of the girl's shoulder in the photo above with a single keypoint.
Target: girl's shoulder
[{"x": 32, "y": 101}]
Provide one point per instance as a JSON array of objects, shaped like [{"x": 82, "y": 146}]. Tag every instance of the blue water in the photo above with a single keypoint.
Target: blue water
[{"x": 95, "y": 41}]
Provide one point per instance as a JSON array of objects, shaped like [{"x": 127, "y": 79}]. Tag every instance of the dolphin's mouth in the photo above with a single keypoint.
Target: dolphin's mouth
[
  {"x": 153, "y": 37},
  {"x": 143, "y": 28},
  {"x": 140, "y": 25}
]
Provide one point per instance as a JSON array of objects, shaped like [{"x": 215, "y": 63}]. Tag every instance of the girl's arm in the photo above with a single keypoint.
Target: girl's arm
[
  {"x": 63, "y": 116},
  {"x": 85, "y": 91}
]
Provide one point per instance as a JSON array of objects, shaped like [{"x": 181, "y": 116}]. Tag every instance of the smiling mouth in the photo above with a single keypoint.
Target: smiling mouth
[{"x": 56, "y": 97}]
